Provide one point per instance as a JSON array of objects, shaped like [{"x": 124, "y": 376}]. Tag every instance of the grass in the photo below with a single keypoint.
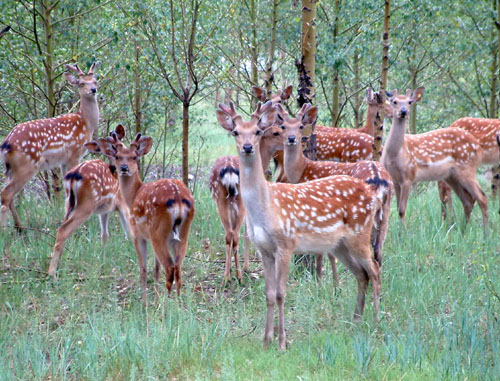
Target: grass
[{"x": 439, "y": 318}]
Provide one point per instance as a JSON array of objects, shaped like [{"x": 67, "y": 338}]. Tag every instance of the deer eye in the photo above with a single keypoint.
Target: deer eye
[
  {"x": 301, "y": 127},
  {"x": 282, "y": 127},
  {"x": 395, "y": 102},
  {"x": 258, "y": 132},
  {"x": 410, "y": 102},
  {"x": 235, "y": 133}
]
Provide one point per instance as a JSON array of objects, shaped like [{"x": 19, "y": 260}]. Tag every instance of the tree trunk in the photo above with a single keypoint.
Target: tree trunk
[
  {"x": 137, "y": 90},
  {"x": 254, "y": 52},
  {"x": 379, "y": 120},
  {"x": 307, "y": 65},
  {"x": 493, "y": 112},
  {"x": 357, "y": 88},
  {"x": 334, "y": 112},
  {"x": 413, "y": 107},
  {"x": 272, "y": 47},
  {"x": 185, "y": 142}
]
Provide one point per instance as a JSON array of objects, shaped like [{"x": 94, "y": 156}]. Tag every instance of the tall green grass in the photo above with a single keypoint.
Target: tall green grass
[{"x": 439, "y": 319}]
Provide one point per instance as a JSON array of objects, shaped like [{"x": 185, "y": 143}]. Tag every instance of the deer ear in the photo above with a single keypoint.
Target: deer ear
[
  {"x": 107, "y": 147},
  {"x": 369, "y": 95},
  {"x": 310, "y": 116},
  {"x": 144, "y": 145},
  {"x": 286, "y": 93},
  {"x": 417, "y": 94},
  {"x": 225, "y": 120},
  {"x": 72, "y": 80},
  {"x": 93, "y": 147},
  {"x": 260, "y": 93},
  {"x": 120, "y": 131},
  {"x": 268, "y": 118}
]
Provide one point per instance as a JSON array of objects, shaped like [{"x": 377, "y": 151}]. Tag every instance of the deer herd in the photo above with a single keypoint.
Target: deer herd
[{"x": 337, "y": 205}]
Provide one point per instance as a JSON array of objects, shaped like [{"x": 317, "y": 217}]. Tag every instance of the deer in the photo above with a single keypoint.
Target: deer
[
  {"x": 449, "y": 154},
  {"x": 45, "y": 144},
  {"x": 332, "y": 215},
  {"x": 299, "y": 169},
  {"x": 160, "y": 211},
  {"x": 225, "y": 190},
  {"x": 90, "y": 188},
  {"x": 484, "y": 130}
]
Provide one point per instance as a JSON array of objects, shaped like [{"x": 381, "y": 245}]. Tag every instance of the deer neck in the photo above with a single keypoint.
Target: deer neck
[
  {"x": 369, "y": 127},
  {"x": 266, "y": 153},
  {"x": 129, "y": 187},
  {"x": 90, "y": 112},
  {"x": 396, "y": 139},
  {"x": 254, "y": 188},
  {"x": 295, "y": 163}
]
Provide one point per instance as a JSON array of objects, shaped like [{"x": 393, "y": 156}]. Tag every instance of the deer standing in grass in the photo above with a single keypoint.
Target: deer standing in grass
[
  {"x": 90, "y": 188},
  {"x": 332, "y": 215},
  {"x": 484, "y": 130},
  {"x": 299, "y": 169},
  {"x": 225, "y": 189},
  {"x": 160, "y": 211},
  {"x": 48, "y": 143},
  {"x": 450, "y": 154}
]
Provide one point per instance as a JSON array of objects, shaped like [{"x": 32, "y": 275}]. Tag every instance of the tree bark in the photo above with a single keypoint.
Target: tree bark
[
  {"x": 272, "y": 48},
  {"x": 307, "y": 65},
  {"x": 379, "y": 120},
  {"x": 185, "y": 143},
  {"x": 357, "y": 88},
  {"x": 334, "y": 112},
  {"x": 254, "y": 51},
  {"x": 137, "y": 90}
]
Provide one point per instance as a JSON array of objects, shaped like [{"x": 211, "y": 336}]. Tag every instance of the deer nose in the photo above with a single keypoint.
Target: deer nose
[
  {"x": 292, "y": 139},
  {"x": 94, "y": 90},
  {"x": 403, "y": 111},
  {"x": 247, "y": 147},
  {"x": 124, "y": 168}
]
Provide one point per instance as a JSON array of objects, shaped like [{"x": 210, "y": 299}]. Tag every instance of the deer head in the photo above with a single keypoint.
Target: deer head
[
  {"x": 292, "y": 128},
  {"x": 374, "y": 101},
  {"x": 86, "y": 83},
  {"x": 95, "y": 147},
  {"x": 247, "y": 134},
  {"x": 400, "y": 104},
  {"x": 126, "y": 159}
]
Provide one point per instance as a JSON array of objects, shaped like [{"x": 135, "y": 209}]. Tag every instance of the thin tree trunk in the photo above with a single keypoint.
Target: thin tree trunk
[
  {"x": 137, "y": 90},
  {"x": 307, "y": 65},
  {"x": 493, "y": 112},
  {"x": 334, "y": 112},
  {"x": 272, "y": 47},
  {"x": 185, "y": 143},
  {"x": 254, "y": 51},
  {"x": 413, "y": 107},
  {"x": 357, "y": 88},
  {"x": 379, "y": 120}
]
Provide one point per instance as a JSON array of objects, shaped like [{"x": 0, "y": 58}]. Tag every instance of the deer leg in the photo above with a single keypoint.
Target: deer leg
[
  {"x": 472, "y": 186},
  {"x": 75, "y": 220},
  {"x": 162, "y": 255},
  {"x": 103, "y": 218},
  {"x": 495, "y": 181},
  {"x": 445, "y": 197},
  {"x": 282, "y": 277},
  {"x": 229, "y": 250},
  {"x": 269, "y": 263},
  {"x": 15, "y": 184},
  {"x": 180, "y": 254},
  {"x": 156, "y": 270},
  {"x": 464, "y": 196},
  {"x": 141, "y": 247},
  {"x": 246, "y": 263},
  {"x": 236, "y": 239},
  {"x": 124, "y": 223},
  {"x": 403, "y": 199},
  {"x": 319, "y": 267},
  {"x": 333, "y": 264}
]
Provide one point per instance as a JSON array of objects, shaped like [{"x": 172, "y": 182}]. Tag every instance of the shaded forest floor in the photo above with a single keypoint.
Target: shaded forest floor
[{"x": 439, "y": 314}]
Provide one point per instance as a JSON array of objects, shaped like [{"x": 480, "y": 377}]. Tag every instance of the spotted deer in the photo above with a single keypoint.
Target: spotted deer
[
  {"x": 225, "y": 189},
  {"x": 90, "y": 188},
  {"x": 450, "y": 154},
  {"x": 330, "y": 215},
  {"x": 160, "y": 211},
  {"x": 299, "y": 169},
  {"x": 48, "y": 143},
  {"x": 484, "y": 130}
]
